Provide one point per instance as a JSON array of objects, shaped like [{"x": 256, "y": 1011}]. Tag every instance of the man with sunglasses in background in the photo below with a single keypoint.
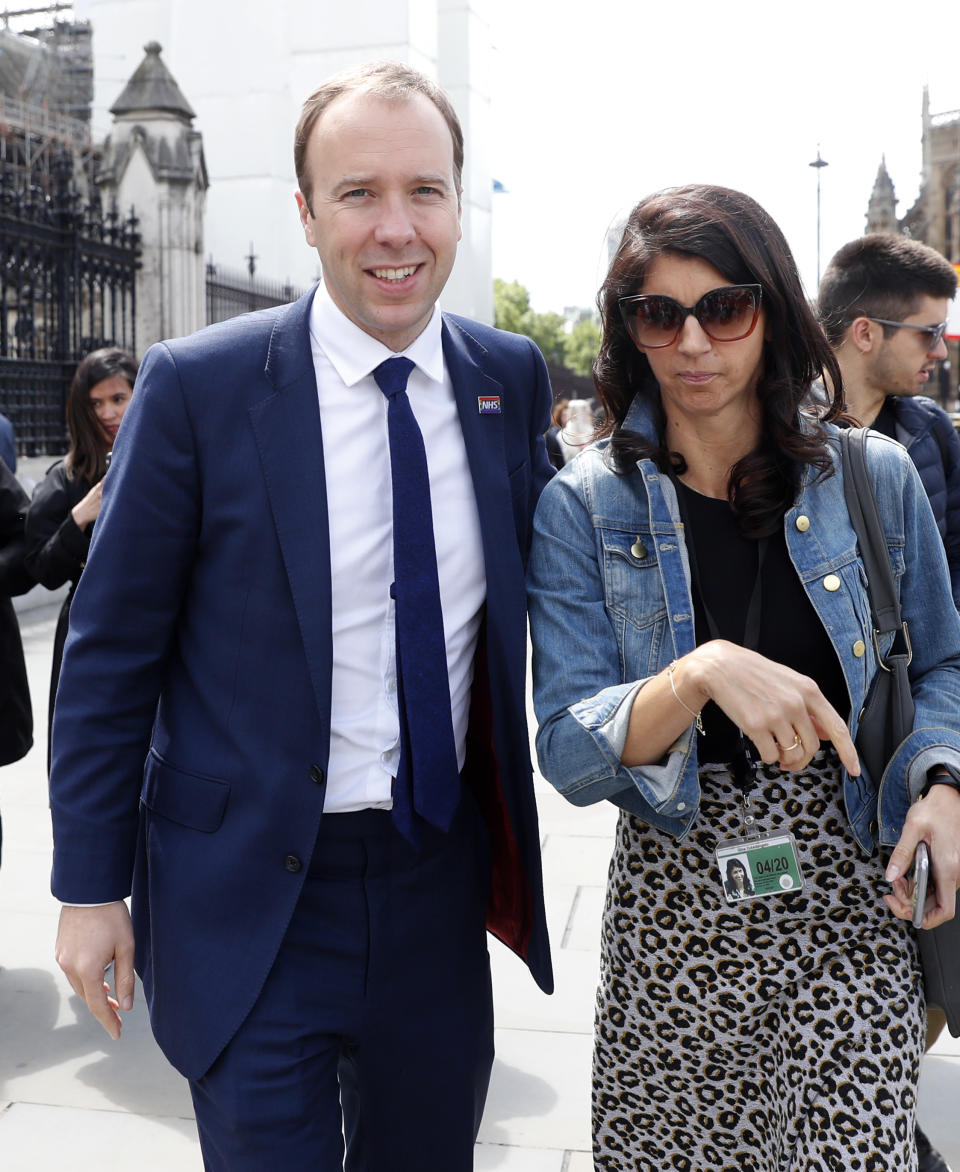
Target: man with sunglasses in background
[{"x": 883, "y": 305}]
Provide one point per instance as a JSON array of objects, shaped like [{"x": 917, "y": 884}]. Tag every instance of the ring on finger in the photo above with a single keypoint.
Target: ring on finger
[{"x": 794, "y": 744}]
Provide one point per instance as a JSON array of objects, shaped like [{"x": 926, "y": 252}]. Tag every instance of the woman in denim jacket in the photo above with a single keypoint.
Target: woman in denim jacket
[{"x": 702, "y": 650}]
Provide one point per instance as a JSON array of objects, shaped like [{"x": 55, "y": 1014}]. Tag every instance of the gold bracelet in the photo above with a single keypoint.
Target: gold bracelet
[{"x": 697, "y": 718}]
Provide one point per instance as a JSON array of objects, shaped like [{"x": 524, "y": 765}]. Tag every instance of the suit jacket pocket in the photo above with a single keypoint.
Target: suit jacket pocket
[{"x": 189, "y": 799}]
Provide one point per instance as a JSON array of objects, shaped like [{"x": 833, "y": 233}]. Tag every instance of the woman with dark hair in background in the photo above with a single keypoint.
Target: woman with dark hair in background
[
  {"x": 66, "y": 503},
  {"x": 702, "y": 650}
]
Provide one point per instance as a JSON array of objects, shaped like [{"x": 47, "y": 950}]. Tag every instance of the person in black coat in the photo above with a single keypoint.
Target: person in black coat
[
  {"x": 8, "y": 443},
  {"x": 66, "y": 503},
  {"x": 16, "y": 715}
]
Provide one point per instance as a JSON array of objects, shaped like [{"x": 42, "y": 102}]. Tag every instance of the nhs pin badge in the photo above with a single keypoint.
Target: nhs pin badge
[{"x": 488, "y": 404}]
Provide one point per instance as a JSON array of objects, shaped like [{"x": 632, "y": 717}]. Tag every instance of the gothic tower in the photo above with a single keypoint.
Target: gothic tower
[{"x": 882, "y": 208}]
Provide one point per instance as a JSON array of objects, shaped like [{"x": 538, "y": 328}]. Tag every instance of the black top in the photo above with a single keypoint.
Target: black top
[
  {"x": 886, "y": 420},
  {"x": 790, "y": 629}
]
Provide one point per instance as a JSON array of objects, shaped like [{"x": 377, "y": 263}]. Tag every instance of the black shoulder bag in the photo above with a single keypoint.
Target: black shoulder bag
[{"x": 887, "y": 715}]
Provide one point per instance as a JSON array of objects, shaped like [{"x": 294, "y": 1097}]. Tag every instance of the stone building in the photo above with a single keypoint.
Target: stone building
[
  {"x": 882, "y": 208},
  {"x": 46, "y": 87},
  {"x": 934, "y": 217},
  {"x": 247, "y": 74},
  {"x": 100, "y": 243},
  {"x": 153, "y": 163},
  {"x": 940, "y": 192}
]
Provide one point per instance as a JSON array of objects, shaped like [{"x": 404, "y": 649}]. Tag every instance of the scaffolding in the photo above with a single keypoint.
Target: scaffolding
[{"x": 46, "y": 91}]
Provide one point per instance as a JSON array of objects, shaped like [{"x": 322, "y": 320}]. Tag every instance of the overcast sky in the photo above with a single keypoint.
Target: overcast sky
[{"x": 598, "y": 103}]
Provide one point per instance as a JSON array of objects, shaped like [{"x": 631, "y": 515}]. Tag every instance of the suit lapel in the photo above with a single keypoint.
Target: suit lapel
[
  {"x": 483, "y": 435},
  {"x": 286, "y": 425}
]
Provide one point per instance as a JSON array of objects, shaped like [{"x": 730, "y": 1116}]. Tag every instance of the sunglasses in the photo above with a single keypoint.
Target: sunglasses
[
  {"x": 935, "y": 332},
  {"x": 726, "y": 314}
]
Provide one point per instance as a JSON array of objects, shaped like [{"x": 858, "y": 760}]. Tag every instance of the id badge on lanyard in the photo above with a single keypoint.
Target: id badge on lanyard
[
  {"x": 756, "y": 865},
  {"x": 752, "y": 868}
]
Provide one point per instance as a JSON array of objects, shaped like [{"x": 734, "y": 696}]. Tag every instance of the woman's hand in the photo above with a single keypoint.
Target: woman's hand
[
  {"x": 86, "y": 511},
  {"x": 783, "y": 712},
  {"x": 935, "y": 821}
]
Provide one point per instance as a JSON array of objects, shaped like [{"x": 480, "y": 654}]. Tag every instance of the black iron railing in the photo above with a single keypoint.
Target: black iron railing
[
  {"x": 230, "y": 293},
  {"x": 67, "y": 286}
]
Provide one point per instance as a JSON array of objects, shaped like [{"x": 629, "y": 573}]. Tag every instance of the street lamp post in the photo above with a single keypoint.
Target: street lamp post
[{"x": 819, "y": 164}]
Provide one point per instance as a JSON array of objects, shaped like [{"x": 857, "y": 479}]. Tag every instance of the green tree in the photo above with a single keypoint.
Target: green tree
[
  {"x": 581, "y": 346},
  {"x": 511, "y": 306},
  {"x": 549, "y": 332},
  {"x": 512, "y": 311}
]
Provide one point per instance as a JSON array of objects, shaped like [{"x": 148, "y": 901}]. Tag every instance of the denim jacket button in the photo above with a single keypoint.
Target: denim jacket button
[
  {"x": 681, "y": 806},
  {"x": 859, "y": 648},
  {"x": 831, "y": 582},
  {"x": 803, "y": 523},
  {"x": 638, "y": 549}
]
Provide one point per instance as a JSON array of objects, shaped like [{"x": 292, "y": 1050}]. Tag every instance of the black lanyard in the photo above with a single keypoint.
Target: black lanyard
[{"x": 743, "y": 766}]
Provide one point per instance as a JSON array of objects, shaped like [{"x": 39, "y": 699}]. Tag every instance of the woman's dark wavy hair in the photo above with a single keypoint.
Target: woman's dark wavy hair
[
  {"x": 86, "y": 458},
  {"x": 733, "y": 233}
]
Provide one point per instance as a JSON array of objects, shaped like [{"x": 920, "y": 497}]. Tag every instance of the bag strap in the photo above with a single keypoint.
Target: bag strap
[{"x": 865, "y": 518}]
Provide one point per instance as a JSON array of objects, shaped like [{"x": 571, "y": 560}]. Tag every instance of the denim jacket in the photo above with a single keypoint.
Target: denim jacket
[{"x": 610, "y": 607}]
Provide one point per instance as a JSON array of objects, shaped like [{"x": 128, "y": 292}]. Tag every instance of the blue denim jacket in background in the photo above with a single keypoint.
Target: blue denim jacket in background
[{"x": 610, "y": 607}]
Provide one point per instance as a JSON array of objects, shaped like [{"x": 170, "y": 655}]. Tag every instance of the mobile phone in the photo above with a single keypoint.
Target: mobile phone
[{"x": 921, "y": 877}]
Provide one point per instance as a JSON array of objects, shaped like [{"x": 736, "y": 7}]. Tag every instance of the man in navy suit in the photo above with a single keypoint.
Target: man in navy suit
[{"x": 228, "y": 729}]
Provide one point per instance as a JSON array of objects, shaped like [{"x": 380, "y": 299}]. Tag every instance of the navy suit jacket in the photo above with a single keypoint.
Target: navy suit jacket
[{"x": 191, "y": 732}]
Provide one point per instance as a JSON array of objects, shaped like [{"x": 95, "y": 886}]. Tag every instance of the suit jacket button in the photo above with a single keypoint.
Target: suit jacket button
[
  {"x": 292, "y": 863},
  {"x": 316, "y": 774}
]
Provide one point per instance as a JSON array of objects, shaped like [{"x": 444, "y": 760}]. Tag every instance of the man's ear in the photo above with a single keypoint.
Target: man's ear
[
  {"x": 862, "y": 332},
  {"x": 306, "y": 218}
]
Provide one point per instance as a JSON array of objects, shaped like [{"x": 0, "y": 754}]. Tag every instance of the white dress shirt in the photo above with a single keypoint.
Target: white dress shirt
[{"x": 364, "y": 722}]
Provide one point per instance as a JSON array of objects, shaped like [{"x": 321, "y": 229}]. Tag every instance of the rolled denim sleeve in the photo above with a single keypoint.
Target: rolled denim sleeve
[
  {"x": 928, "y": 609},
  {"x": 582, "y": 690}
]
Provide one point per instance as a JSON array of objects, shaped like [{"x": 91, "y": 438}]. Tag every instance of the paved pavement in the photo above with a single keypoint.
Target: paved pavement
[{"x": 69, "y": 1097}]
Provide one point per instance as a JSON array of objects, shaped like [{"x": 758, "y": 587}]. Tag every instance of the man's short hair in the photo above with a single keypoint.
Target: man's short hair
[
  {"x": 390, "y": 80},
  {"x": 880, "y": 276}
]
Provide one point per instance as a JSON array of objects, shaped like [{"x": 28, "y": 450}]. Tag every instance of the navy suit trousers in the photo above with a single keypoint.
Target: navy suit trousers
[{"x": 371, "y": 1044}]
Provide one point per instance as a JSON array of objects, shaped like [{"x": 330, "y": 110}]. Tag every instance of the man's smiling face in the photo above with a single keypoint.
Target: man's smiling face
[{"x": 384, "y": 210}]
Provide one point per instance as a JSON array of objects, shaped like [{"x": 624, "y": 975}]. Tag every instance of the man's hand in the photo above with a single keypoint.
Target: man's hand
[{"x": 88, "y": 941}]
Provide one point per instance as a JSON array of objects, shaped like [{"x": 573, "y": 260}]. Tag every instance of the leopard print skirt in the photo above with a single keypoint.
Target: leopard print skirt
[{"x": 781, "y": 1034}]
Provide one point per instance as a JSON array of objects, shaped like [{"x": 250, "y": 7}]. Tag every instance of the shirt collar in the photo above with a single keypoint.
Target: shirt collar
[{"x": 354, "y": 354}]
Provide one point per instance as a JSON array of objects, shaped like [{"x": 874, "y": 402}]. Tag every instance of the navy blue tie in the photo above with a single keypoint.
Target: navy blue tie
[{"x": 427, "y": 780}]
